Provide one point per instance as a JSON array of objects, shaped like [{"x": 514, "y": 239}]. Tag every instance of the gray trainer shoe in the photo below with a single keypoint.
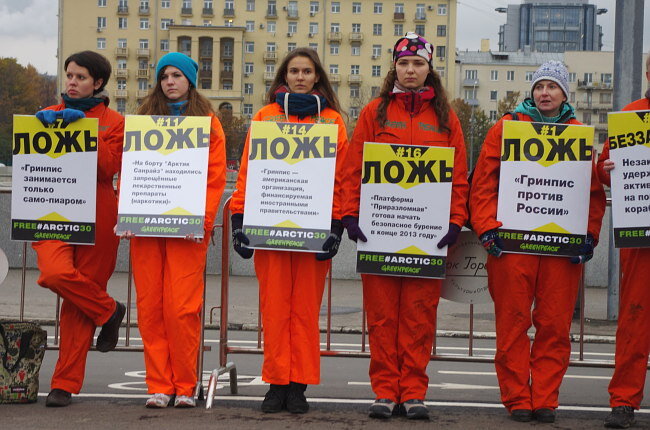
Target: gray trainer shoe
[
  {"x": 382, "y": 408},
  {"x": 415, "y": 409}
]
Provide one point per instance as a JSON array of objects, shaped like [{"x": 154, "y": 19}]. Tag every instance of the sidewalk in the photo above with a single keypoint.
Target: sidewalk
[{"x": 453, "y": 318}]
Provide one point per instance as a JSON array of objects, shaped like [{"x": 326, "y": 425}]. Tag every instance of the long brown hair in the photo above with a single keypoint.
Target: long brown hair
[
  {"x": 323, "y": 86},
  {"x": 156, "y": 102},
  {"x": 440, "y": 102}
]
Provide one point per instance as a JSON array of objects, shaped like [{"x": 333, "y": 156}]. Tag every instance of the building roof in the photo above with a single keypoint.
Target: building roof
[{"x": 510, "y": 58}]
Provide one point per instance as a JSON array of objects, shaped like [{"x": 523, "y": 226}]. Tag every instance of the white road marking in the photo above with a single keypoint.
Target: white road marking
[
  {"x": 444, "y": 386},
  {"x": 461, "y": 372}
]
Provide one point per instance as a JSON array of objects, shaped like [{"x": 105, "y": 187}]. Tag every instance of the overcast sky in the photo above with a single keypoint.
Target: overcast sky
[{"x": 28, "y": 28}]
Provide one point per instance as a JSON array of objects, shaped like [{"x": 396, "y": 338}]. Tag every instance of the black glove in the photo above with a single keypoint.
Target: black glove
[
  {"x": 586, "y": 251},
  {"x": 492, "y": 242},
  {"x": 331, "y": 245},
  {"x": 351, "y": 224},
  {"x": 239, "y": 238},
  {"x": 451, "y": 237}
]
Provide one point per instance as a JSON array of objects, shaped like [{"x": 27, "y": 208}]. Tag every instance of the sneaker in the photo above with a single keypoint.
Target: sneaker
[
  {"x": 110, "y": 332},
  {"x": 382, "y": 408},
  {"x": 521, "y": 415},
  {"x": 184, "y": 402},
  {"x": 415, "y": 409},
  {"x": 621, "y": 417},
  {"x": 296, "y": 401},
  {"x": 58, "y": 398},
  {"x": 544, "y": 415},
  {"x": 275, "y": 399},
  {"x": 158, "y": 401}
]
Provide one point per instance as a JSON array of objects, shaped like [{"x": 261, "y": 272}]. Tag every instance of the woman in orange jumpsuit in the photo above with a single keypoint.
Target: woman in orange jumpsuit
[
  {"x": 79, "y": 273},
  {"x": 168, "y": 272},
  {"x": 530, "y": 377},
  {"x": 292, "y": 283},
  {"x": 412, "y": 109},
  {"x": 632, "y": 334}
]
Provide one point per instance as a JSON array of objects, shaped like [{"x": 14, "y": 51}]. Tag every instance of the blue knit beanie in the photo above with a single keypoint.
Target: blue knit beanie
[
  {"x": 182, "y": 62},
  {"x": 552, "y": 71}
]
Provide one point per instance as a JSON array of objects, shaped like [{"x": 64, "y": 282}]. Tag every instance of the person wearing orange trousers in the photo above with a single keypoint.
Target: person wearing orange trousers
[
  {"x": 292, "y": 283},
  {"x": 530, "y": 377},
  {"x": 79, "y": 273},
  {"x": 412, "y": 109},
  {"x": 632, "y": 335},
  {"x": 168, "y": 272}
]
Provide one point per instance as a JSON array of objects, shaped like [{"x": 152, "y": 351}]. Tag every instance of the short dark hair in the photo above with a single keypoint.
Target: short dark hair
[{"x": 97, "y": 65}]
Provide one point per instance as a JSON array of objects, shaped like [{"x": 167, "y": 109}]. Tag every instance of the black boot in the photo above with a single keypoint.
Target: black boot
[
  {"x": 58, "y": 398},
  {"x": 296, "y": 401},
  {"x": 110, "y": 332},
  {"x": 275, "y": 399}
]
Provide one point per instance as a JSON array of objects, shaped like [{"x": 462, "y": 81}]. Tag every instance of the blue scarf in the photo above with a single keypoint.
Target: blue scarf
[
  {"x": 302, "y": 105},
  {"x": 528, "y": 107},
  {"x": 83, "y": 104},
  {"x": 177, "y": 108}
]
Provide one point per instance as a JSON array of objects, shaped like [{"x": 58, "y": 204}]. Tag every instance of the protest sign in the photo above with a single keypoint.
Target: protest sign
[
  {"x": 290, "y": 185},
  {"x": 54, "y": 180},
  {"x": 544, "y": 187},
  {"x": 466, "y": 278},
  {"x": 404, "y": 209},
  {"x": 164, "y": 175},
  {"x": 629, "y": 149}
]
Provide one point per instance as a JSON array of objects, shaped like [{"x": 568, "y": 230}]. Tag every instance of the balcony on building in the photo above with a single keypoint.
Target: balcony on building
[
  {"x": 334, "y": 36},
  {"x": 143, "y": 73},
  {"x": 269, "y": 76},
  {"x": 334, "y": 77},
  {"x": 122, "y": 73},
  {"x": 121, "y": 94},
  {"x": 356, "y": 36},
  {"x": 420, "y": 17},
  {"x": 144, "y": 52},
  {"x": 142, "y": 94},
  {"x": 144, "y": 10},
  {"x": 470, "y": 82},
  {"x": 472, "y": 102},
  {"x": 205, "y": 53},
  {"x": 229, "y": 13},
  {"x": 207, "y": 11},
  {"x": 122, "y": 10},
  {"x": 122, "y": 52},
  {"x": 292, "y": 13},
  {"x": 594, "y": 85},
  {"x": 270, "y": 56},
  {"x": 271, "y": 12},
  {"x": 225, "y": 74},
  {"x": 205, "y": 74},
  {"x": 398, "y": 16},
  {"x": 594, "y": 105},
  {"x": 354, "y": 79},
  {"x": 186, "y": 11}
]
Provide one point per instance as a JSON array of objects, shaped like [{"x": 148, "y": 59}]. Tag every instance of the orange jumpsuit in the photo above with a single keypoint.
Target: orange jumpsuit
[
  {"x": 632, "y": 335},
  {"x": 168, "y": 274},
  {"x": 529, "y": 378},
  {"x": 401, "y": 311},
  {"x": 79, "y": 273},
  {"x": 291, "y": 283}
]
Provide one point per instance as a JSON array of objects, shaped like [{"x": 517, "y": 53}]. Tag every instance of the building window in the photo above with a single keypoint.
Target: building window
[
  {"x": 248, "y": 109},
  {"x": 356, "y": 7},
  {"x": 314, "y": 46},
  {"x": 144, "y": 23},
  {"x": 419, "y": 11},
  {"x": 187, "y": 4},
  {"x": 250, "y": 5},
  {"x": 606, "y": 78},
  {"x": 165, "y": 4},
  {"x": 227, "y": 85},
  {"x": 376, "y": 71},
  {"x": 143, "y": 85},
  {"x": 378, "y": 8},
  {"x": 376, "y": 51},
  {"x": 493, "y": 95},
  {"x": 510, "y": 75},
  {"x": 164, "y": 45},
  {"x": 101, "y": 43},
  {"x": 399, "y": 7},
  {"x": 249, "y": 47},
  {"x": 442, "y": 9},
  {"x": 121, "y": 106},
  {"x": 165, "y": 23},
  {"x": 314, "y": 7},
  {"x": 529, "y": 76},
  {"x": 270, "y": 26},
  {"x": 335, "y": 27},
  {"x": 399, "y": 30},
  {"x": 250, "y": 25},
  {"x": 248, "y": 88},
  {"x": 374, "y": 92},
  {"x": 441, "y": 71},
  {"x": 313, "y": 28},
  {"x": 471, "y": 75},
  {"x": 376, "y": 29},
  {"x": 291, "y": 46},
  {"x": 101, "y": 22},
  {"x": 572, "y": 77},
  {"x": 441, "y": 31},
  {"x": 602, "y": 117},
  {"x": 354, "y": 69},
  {"x": 589, "y": 78},
  {"x": 470, "y": 94},
  {"x": 270, "y": 47},
  {"x": 440, "y": 51},
  {"x": 586, "y": 118},
  {"x": 336, "y": 7},
  {"x": 271, "y": 8},
  {"x": 493, "y": 115},
  {"x": 121, "y": 84},
  {"x": 494, "y": 75},
  {"x": 419, "y": 29},
  {"x": 334, "y": 69},
  {"x": 143, "y": 43},
  {"x": 605, "y": 98},
  {"x": 355, "y": 49},
  {"x": 249, "y": 68},
  {"x": 121, "y": 22},
  {"x": 334, "y": 48},
  {"x": 101, "y": 3},
  {"x": 121, "y": 64},
  {"x": 354, "y": 91},
  {"x": 354, "y": 112},
  {"x": 356, "y": 28},
  {"x": 292, "y": 27}
]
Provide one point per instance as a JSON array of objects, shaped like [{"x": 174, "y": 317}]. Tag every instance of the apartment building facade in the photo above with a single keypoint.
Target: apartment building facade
[{"x": 239, "y": 43}]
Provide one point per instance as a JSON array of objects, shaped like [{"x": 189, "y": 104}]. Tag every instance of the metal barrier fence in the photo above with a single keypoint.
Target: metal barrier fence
[{"x": 225, "y": 349}]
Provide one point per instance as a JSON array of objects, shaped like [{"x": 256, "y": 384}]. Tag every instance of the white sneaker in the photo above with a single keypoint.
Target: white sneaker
[
  {"x": 158, "y": 400},
  {"x": 184, "y": 402}
]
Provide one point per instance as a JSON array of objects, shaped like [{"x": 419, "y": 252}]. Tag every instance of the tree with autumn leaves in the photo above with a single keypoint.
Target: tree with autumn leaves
[{"x": 22, "y": 91}]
